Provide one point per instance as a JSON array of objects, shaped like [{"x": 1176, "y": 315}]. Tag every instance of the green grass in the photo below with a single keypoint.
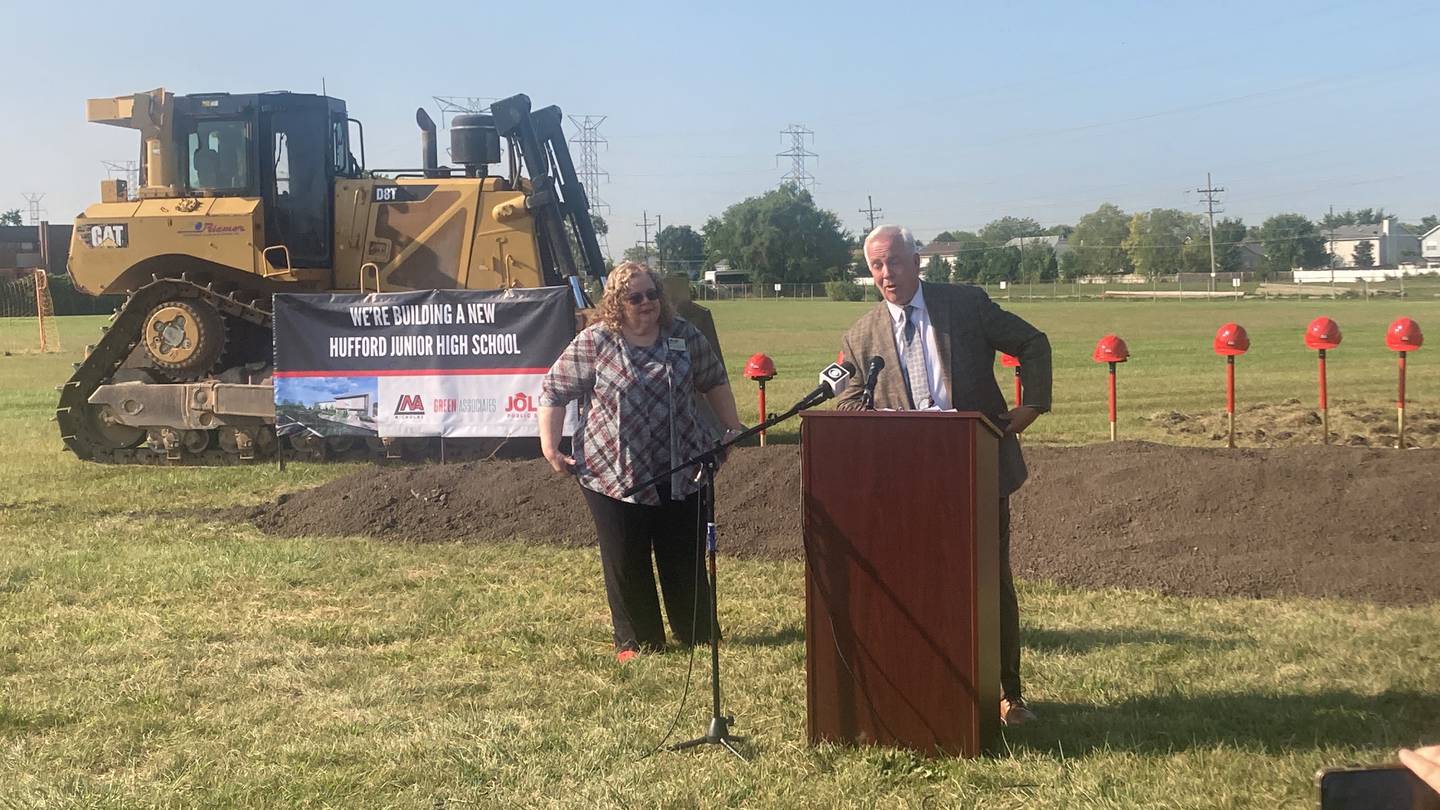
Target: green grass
[
  {"x": 1172, "y": 365},
  {"x": 153, "y": 659}
]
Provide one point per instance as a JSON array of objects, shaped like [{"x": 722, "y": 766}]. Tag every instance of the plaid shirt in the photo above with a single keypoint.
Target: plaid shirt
[{"x": 617, "y": 445}]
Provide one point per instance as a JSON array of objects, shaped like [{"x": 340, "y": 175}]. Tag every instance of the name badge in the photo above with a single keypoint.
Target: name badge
[{"x": 677, "y": 345}]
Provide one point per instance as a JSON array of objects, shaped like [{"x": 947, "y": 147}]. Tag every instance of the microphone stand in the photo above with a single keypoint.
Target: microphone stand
[{"x": 718, "y": 733}]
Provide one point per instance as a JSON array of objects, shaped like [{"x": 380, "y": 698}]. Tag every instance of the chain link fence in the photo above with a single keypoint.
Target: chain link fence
[{"x": 1184, "y": 287}]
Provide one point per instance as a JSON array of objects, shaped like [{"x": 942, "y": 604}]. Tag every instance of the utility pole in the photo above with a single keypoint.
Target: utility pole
[
  {"x": 1210, "y": 191},
  {"x": 645, "y": 224},
  {"x": 1330, "y": 250},
  {"x": 659, "y": 249},
  {"x": 871, "y": 211}
]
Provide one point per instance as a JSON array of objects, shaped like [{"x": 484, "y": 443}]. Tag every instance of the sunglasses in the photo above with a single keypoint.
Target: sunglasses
[{"x": 635, "y": 298}]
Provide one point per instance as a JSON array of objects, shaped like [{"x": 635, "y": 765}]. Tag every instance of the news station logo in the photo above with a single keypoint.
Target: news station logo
[
  {"x": 410, "y": 405},
  {"x": 521, "y": 406}
]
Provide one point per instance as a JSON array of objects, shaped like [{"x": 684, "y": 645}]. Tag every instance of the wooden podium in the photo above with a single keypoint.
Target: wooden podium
[{"x": 902, "y": 605}]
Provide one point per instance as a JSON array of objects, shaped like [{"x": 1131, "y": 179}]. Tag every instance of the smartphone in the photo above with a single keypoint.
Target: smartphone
[{"x": 1376, "y": 787}]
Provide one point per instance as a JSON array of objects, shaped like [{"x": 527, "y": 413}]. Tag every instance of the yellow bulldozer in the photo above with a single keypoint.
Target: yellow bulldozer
[{"x": 247, "y": 195}]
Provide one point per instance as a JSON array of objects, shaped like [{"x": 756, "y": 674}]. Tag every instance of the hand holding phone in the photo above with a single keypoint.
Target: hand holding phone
[{"x": 1378, "y": 787}]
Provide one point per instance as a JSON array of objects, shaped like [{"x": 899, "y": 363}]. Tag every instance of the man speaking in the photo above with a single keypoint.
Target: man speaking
[{"x": 937, "y": 344}]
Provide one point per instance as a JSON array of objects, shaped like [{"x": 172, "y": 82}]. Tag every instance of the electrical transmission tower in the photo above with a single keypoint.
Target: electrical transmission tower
[
  {"x": 129, "y": 170},
  {"x": 1210, "y": 191},
  {"x": 36, "y": 212},
  {"x": 461, "y": 105},
  {"x": 871, "y": 211},
  {"x": 799, "y": 173},
  {"x": 588, "y": 141}
]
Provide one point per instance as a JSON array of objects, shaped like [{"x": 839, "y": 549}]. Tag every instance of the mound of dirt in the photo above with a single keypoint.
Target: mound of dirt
[
  {"x": 1291, "y": 424},
  {"x": 1343, "y": 522}
]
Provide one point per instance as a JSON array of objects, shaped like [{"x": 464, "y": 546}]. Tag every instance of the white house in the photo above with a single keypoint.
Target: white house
[
  {"x": 1430, "y": 245},
  {"x": 1390, "y": 243},
  {"x": 948, "y": 252}
]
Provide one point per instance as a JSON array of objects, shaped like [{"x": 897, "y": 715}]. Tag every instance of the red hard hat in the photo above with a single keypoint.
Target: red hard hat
[
  {"x": 1322, "y": 333},
  {"x": 1009, "y": 361},
  {"x": 760, "y": 367},
  {"x": 1111, "y": 349},
  {"x": 1403, "y": 336},
  {"x": 1231, "y": 340}
]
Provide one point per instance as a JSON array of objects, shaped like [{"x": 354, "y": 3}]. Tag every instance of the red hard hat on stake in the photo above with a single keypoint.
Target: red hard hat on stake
[
  {"x": 1403, "y": 336},
  {"x": 760, "y": 367},
  {"x": 1231, "y": 340},
  {"x": 1322, "y": 333},
  {"x": 1111, "y": 349},
  {"x": 1009, "y": 361}
]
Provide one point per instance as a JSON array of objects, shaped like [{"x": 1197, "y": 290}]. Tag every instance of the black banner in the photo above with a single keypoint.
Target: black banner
[{"x": 427, "y": 363}]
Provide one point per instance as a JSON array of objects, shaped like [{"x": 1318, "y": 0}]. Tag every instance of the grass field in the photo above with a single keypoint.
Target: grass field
[
  {"x": 1172, "y": 366},
  {"x": 149, "y": 657}
]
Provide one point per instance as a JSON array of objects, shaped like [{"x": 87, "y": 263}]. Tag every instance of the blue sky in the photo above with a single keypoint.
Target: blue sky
[{"x": 949, "y": 114}]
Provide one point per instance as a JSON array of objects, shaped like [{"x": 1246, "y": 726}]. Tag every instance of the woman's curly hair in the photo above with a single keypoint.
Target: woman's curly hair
[{"x": 617, "y": 286}]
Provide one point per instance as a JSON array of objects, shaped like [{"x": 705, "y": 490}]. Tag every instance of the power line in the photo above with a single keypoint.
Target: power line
[
  {"x": 871, "y": 211},
  {"x": 799, "y": 173},
  {"x": 461, "y": 105}
]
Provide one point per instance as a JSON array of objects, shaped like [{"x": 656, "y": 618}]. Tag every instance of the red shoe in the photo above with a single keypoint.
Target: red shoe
[{"x": 626, "y": 656}]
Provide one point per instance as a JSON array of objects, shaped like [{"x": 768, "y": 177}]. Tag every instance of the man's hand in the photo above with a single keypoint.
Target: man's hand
[
  {"x": 1425, "y": 762},
  {"x": 560, "y": 463},
  {"x": 1020, "y": 418}
]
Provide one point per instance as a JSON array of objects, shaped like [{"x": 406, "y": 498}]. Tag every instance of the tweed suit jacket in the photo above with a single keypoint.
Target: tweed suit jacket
[{"x": 969, "y": 329}]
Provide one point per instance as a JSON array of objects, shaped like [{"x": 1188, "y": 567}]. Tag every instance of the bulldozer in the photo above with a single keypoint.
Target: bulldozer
[{"x": 246, "y": 195}]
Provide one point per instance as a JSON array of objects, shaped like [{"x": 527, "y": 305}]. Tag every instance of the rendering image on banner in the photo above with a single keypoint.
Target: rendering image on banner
[{"x": 330, "y": 406}]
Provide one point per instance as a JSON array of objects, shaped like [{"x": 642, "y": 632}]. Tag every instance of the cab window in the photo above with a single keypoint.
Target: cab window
[{"x": 219, "y": 156}]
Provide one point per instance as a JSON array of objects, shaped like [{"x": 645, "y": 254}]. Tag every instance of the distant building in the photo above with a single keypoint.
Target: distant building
[
  {"x": 22, "y": 249},
  {"x": 1059, "y": 244},
  {"x": 1389, "y": 242},
  {"x": 948, "y": 252},
  {"x": 721, "y": 275},
  {"x": 1252, "y": 256},
  {"x": 1430, "y": 245}
]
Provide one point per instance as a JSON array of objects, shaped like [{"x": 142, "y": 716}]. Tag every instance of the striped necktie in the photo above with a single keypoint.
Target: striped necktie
[{"x": 915, "y": 378}]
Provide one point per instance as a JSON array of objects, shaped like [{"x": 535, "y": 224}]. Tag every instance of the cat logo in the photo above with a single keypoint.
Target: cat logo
[
  {"x": 114, "y": 235},
  {"x": 410, "y": 405}
]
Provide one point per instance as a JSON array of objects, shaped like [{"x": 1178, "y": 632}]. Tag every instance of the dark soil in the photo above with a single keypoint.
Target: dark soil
[
  {"x": 1293, "y": 423},
  {"x": 1346, "y": 522}
]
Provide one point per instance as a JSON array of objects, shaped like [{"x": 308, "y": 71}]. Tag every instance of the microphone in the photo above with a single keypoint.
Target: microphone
[
  {"x": 872, "y": 374},
  {"x": 833, "y": 379}
]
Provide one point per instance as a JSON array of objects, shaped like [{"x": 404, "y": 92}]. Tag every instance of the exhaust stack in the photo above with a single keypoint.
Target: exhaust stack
[{"x": 429, "y": 148}]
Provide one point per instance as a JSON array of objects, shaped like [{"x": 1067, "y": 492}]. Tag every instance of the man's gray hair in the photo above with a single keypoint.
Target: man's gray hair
[{"x": 891, "y": 231}]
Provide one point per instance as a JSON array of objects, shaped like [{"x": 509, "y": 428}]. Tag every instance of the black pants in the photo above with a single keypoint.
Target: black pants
[
  {"x": 629, "y": 535},
  {"x": 1009, "y": 612}
]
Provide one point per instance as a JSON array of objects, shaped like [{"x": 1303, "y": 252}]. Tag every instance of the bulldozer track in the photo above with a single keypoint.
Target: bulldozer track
[{"x": 107, "y": 356}]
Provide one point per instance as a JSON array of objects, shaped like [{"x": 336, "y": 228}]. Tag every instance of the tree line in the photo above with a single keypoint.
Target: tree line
[{"x": 781, "y": 236}]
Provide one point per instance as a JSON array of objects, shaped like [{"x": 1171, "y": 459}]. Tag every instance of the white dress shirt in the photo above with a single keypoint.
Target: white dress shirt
[{"x": 939, "y": 386}]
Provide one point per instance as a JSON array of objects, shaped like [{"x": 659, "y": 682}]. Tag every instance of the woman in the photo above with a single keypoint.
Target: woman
[{"x": 635, "y": 375}]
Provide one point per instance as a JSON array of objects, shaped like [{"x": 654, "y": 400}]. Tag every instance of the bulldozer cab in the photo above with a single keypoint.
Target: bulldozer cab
[{"x": 285, "y": 148}]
